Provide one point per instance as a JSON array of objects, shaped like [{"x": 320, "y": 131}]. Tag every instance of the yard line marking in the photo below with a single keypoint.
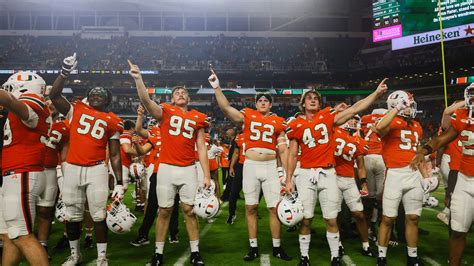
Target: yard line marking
[
  {"x": 347, "y": 260},
  {"x": 184, "y": 256},
  {"x": 431, "y": 261},
  {"x": 265, "y": 260}
]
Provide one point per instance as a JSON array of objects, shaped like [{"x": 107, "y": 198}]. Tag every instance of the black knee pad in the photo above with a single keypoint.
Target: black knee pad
[{"x": 73, "y": 230}]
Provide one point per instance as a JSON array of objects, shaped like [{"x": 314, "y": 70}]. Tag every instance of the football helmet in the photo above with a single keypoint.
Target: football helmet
[
  {"x": 25, "y": 82},
  {"x": 60, "y": 212},
  {"x": 352, "y": 124},
  {"x": 402, "y": 98},
  {"x": 206, "y": 204},
  {"x": 119, "y": 218},
  {"x": 469, "y": 99},
  {"x": 290, "y": 209},
  {"x": 137, "y": 170},
  {"x": 432, "y": 202}
]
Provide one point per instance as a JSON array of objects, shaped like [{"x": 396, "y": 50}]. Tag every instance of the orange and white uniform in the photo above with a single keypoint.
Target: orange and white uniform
[
  {"x": 85, "y": 173},
  {"x": 401, "y": 182},
  {"x": 373, "y": 161},
  {"x": 462, "y": 200},
  {"x": 239, "y": 141},
  {"x": 58, "y": 137},
  {"x": 154, "y": 155},
  {"x": 316, "y": 174},
  {"x": 22, "y": 165},
  {"x": 451, "y": 158},
  {"x": 347, "y": 149},
  {"x": 177, "y": 170},
  {"x": 224, "y": 159},
  {"x": 260, "y": 134}
]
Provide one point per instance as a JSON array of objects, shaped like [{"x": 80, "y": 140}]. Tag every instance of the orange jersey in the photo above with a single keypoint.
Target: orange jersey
[
  {"x": 23, "y": 146},
  {"x": 401, "y": 142},
  {"x": 315, "y": 138},
  {"x": 239, "y": 141},
  {"x": 90, "y": 131},
  {"x": 347, "y": 149},
  {"x": 464, "y": 125},
  {"x": 178, "y": 134},
  {"x": 373, "y": 140},
  {"x": 261, "y": 131},
  {"x": 454, "y": 150},
  {"x": 125, "y": 138},
  {"x": 224, "y": 157},
  {"x": 58, "y": 137},
  {"x": 155, "y": 142}
]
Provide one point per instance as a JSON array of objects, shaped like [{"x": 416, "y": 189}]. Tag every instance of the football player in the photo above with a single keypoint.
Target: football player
[
  {"x": 400, "y": 136},
  {"x": 85, "y": 173},
  {"x": 25, "y": 132},
  {"x": 350, "y": 149},
  {"x": 313, "y": 132},
  {"x": 450, "y": 159},
  {"x": 181, "y": 130},
  {"x": 126, "y": 150},
  {"x": 462, "y": 199},
  {"x": 264, "y": 135},
  {"x": 57, "y": 139}
]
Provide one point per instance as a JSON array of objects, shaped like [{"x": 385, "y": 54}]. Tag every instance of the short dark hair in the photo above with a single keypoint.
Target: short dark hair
[
  {"x": 128, "y": 124},
  {"x": 303, "y": 98},
  {"x": 265, "y": 94}
]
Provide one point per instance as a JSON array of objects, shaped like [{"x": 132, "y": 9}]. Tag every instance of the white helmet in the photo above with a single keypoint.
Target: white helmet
[
  {"x": 432, "y": 202},
  {"x": 119, "y": 218},
  {"x": 137, "y": 170},
  {"x": 352, "y": 124},
  {"x": 290, "y": 209},
  {"x": 469, "y": 99},
  {"x": 395, "y": 97},
  {"x": 206, "y": 204},
  {"x": 60, "y": 212},
  {"x": 25, "y": 82},
  {"x": 434, "y": 183}
]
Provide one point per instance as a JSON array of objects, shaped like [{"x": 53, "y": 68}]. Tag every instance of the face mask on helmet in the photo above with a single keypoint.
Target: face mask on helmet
[
  {"x": 290, "y": 210},
  {"x": 206, "y": 204},
  {"x": 119, "y": 218},
  {"x": 137, "y": 170},
  {"x": 469, "y": 99},
  {"x": 25, "y": 82},
  {"x": 152, "y": 122},
  {"x": 353, "y": 124}
]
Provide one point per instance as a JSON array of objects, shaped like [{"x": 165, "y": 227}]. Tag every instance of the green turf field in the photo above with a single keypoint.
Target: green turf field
[{"x": 223, "y": 244}]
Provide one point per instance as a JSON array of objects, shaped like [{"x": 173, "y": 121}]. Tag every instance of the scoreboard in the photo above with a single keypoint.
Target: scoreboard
[{"x": 397, "y": 18}]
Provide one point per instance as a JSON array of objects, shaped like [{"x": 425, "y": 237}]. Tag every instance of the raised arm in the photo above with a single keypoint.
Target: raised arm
[
  {"x": 153, "y": 108},
  {"x": 58, "y": 100},
  {"x": 139, "y": 123},
  {"x": 446, "y": 119},
  {"x": 229, "y": 111},
  {"x": 12, "y": 104},
  {"x": 344, "y": 116},
  {"x": 382, "y": 127}
]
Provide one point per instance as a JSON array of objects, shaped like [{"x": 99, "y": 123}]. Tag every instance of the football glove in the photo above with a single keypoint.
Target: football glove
[
  {"x": 315, "y": 175},
  {"x": 214, "y": 81},
  {"x": 118, "y": 192},
  {"x": 69, "y": 64}
]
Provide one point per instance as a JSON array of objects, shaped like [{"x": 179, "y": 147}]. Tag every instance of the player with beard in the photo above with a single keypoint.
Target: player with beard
[
  {"x": 313, "y": 132},
  {"x": 182, "y": 129},
  {"x": 85, "y": 173}
]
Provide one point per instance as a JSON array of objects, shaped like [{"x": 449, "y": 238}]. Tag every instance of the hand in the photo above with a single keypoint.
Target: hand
[
  {"x": 289, "y": 187},
  {"x": 281, "y": 175},
  {"x": 382, "y": 87},
  {"x": 207, "y": 183},
  {"x": 134, "y": 71},
  {"x": 341, "y": 107},
  {"x": 140, "y": 110},
  {"x": 417, "y": 161},
  {"x": 231, "y": 172},
  {"x": 213, "y": 80},
  {"x": 426, "y": 185},
  {"x": 118, "y": 192},
  {"x": 69, "y": 64},
  {"x": 364, "y": 192}
]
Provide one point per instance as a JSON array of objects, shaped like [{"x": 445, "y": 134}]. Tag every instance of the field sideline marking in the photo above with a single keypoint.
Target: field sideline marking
[
  {"x": 184, "y": 256},
  {"x": 347, "y": 260},
  {"x": 265, "y": 260},
  {"x": 431, "y": 261}
]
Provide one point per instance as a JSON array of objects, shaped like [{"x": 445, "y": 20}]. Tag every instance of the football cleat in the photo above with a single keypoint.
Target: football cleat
[
  {"x": 157, "y": 259},
  {"x": 278, "y": 252},
  {"x": 369, "y": 253},
  {"x": 414, "y": 261},
  {"x": 381, "y": 261},
  {"x": 252, "y": 254},
  {"x": 335, "y": 261},
  {"x": 231, "y": 219},
  {"x": 196, "y": 259},
  {"x": 140, "y": 241},
  {"x": 73, "y": 260},
  {"x": 304, "y": 261},
  {"x": 88, "y": 242},
  {"x": 173, "y": 239}
]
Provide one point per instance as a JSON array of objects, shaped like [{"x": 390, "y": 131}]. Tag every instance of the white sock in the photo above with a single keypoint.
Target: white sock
[
  {"x": 382, "y": 252},
  {"x": 159, "y": 247},
  {"x": 365, "y": 245},
  {"x": 253, "y": 242},
  {"x": 101, "y": 250},
  {"x": 194, "y": 245},
  {"x": 412, "y": 252},
  {"x": 333, "y": 241},
  {"x": 276, "y": 242},
  {"x": 304, "y": 245},
  {"x": 74, "y": 247}
]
